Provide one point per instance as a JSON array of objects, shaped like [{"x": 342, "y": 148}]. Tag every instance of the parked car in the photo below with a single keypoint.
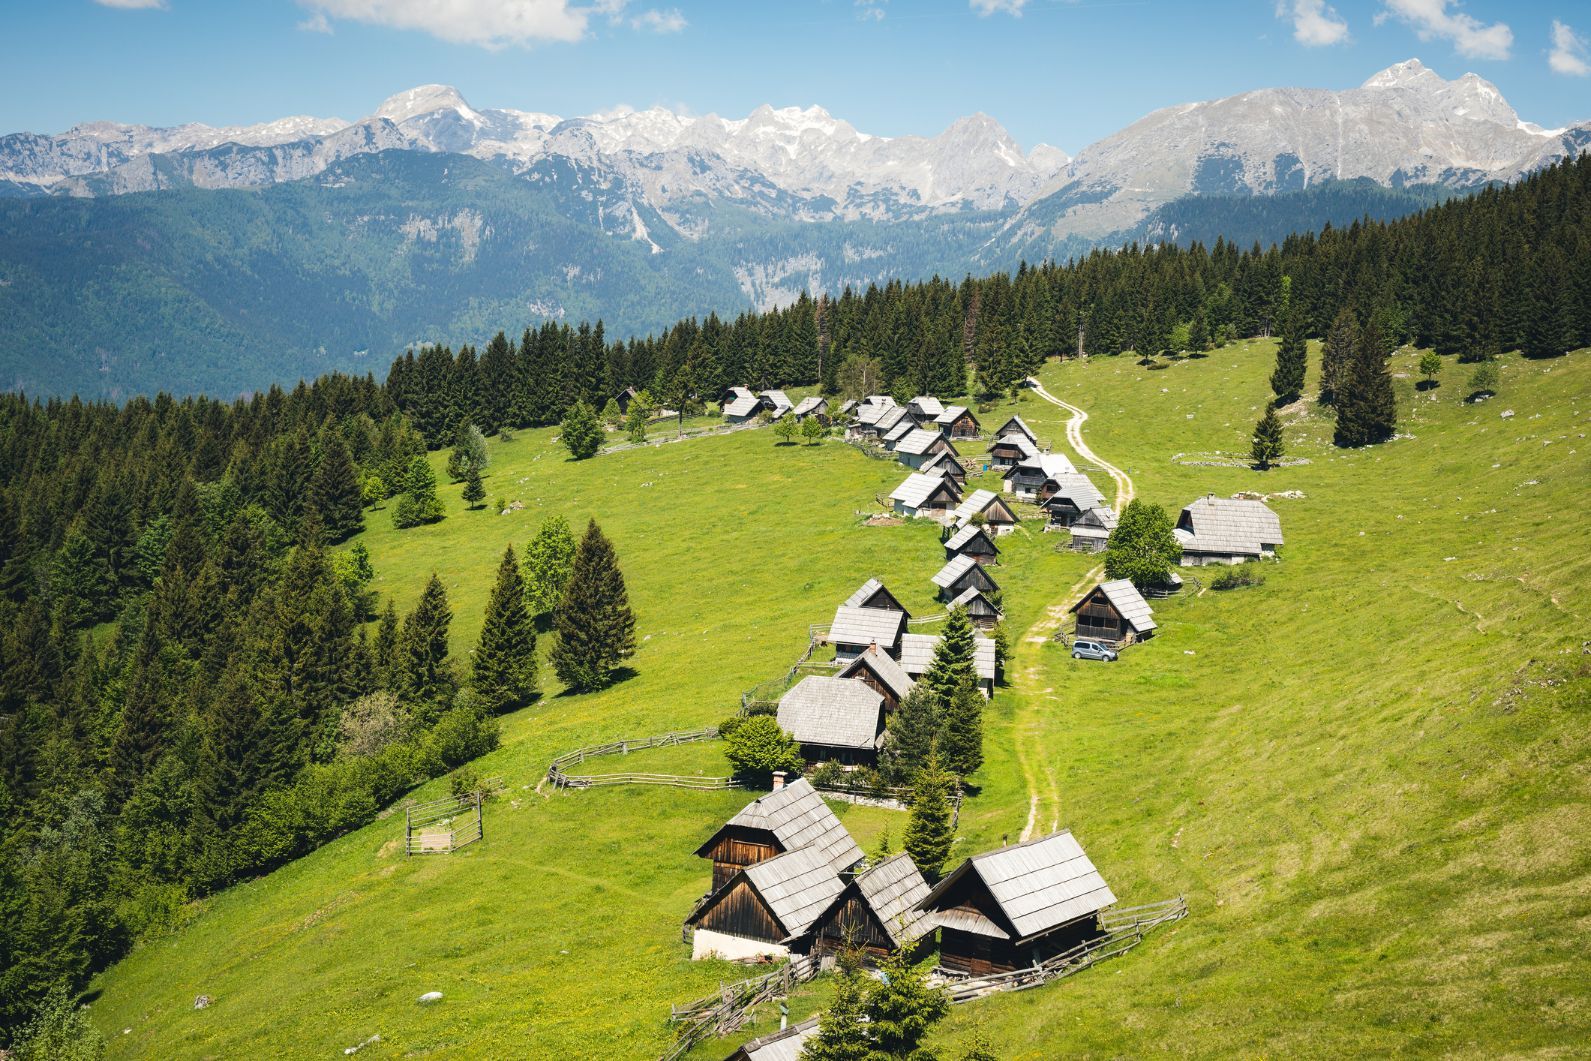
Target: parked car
[{"x": 1083, "y": 649}]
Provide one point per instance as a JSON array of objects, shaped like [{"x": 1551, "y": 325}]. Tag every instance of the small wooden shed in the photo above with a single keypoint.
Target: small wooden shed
[
  {"x": 1010, "y": 449},
  {"x": 883, "y": 673},
  {"x": 917, "y": 655},
  {"x": 789, "y": 817},
  {"x": 1114, "y": 612},
  {"x": 874, "y": 594},
  {"x": 997, "y": 515},
  {"x": 1017, "y": 426},
  {"x": 1017, "y": 906},
  {"x": 838, "y": 720},
  {"x": 917, "y": 447},
  {"x": 1066, "y": 497},
  {"x": 1220, "y": 530},
  {"x": 877, "y": 911},
  {"x": 745, "y": 407},
  {"x": 926, "y": 495},
  {"x": 982, "y": 611},
  {"x": 925, "y": 407},
  {"x": 943, "y": 464},
  {"x": 787, "y": 1044},
  {"x": 854, "y": 629},
  {"x": 960, "y": 574},
  {"x": 624, "y": 398},
  {"x": 812, "y": 405},
  {"x": 1091, "y": 530},
  {"x": 766, "y": 909},
  {"x": 973, "y": 540},
  {"x": 957, "y": 421}
]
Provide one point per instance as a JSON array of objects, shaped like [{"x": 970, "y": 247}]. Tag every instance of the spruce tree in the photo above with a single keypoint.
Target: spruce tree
[
  {"x": 1367, "y": 410},
  {"x": 549, "y": 559},
  {"x": 504, "y": 669},
  {"x": 596, "y": 629},
  {"x": 469, "y": 451},
  {"x": 1287, "y": 380},
  {"x": 474, "y": 489},
  {"x": 1336, "y": 354},
  {"x": 912, "y": 730},
  {"x": 929, "y": 833},
  {"x": 581, "y": 432},
  {"x": 335, "y": 492},
  {"x": 902, "y": 1008},
  {"x": 425, "y": 673},
  {"x": 384, "y": 650},
  {"x": 1267, "y": 447},
  {"x": 961, "y": 731},
  {"x": 841, "y": 1035},
  {"x": 953, "y": 667}
]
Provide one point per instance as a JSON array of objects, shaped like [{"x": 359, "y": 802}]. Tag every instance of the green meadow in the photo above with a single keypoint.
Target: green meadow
[{"x": 1368, "y": 775}]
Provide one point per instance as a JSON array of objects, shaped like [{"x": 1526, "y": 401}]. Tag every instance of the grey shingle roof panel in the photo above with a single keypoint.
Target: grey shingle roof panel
[
  {"x": 966, "y": 534},
  {"x": 810, "y": 403},
  {"x": 919, "y": 441},
  {"x": 928, "y": 405},
  {"x": 954, "y": 568},
  {"x": 1017, "y": 424},
  {"x": 743, "y": 406},
  {"x": 892, "y": 889},
  {"x": 1079, "y": 489},
  {"x": 862, "y": 626},
  {"x": 951, "y": 414},
  {"x": 917, "y": 652},
  {"x": 1039, "y": 885},
  {"x": 918, "y": 487},
  {"x": 884, "y": 666},
  {"x": 1126, "y": 599},
  {"x": 797, "y": 817},
  {"x": 835, "y": 712},
  {"x": 1230, "y": 526},
  {"x": 797, "y": 886}
]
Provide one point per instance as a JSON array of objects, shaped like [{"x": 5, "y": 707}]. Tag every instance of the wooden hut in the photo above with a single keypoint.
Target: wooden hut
[
  {"x": 982, "y": 611},
  {"x": 624, "y": 398},
  {"x": 1219, "y": 530},
  {"x": 924, "y": 408},
  {"x": 973, "y": 540},
  {"x": 765, "y": 910},
  {"x": 1066, "y": 497},
  {"x": 791, "y": 816},
  {"x": 1012, "y": 908},
  {"x": 1027, "y": 478},
  {"x": 889, "y": 419},
  {"x": 745, "y": 407},
  {"x": 925, "y": 495},
  {"x": 874, "y": 594},
  {"x": 779, "y": 403},
  {"x": 1114, "y": 612},
  {"x": 854, "y": 629},
  {"x": 838, "y": 720},
  {"x": 917, "y": 654},
  {"x": 960, "y": 574},
  {"x": 1010, "y": 449},
  {"x": 895, "y": 435},
  {"x": 945, "y": 465},
  {"x": 1016, "y": 425},
  {"x": 998, "y": 516},
  {"x": 848, "y": 406},
  {"x": 730, "y": 394},
  {"x": 813, "y": 405},
  {"x": 917, "y": 447},
  {"x": 957, "y": 421},
  {"x": 877, "y": 911},
  {"x": 1091, "y": 530},
  {"x": 879, "y": 670}
]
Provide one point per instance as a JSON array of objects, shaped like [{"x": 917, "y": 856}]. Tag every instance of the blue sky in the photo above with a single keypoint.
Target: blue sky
[{"x": 1065, "y": 72}]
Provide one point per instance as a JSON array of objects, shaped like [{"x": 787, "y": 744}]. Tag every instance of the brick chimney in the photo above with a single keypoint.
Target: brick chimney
[{"x": 778, "y": 780}]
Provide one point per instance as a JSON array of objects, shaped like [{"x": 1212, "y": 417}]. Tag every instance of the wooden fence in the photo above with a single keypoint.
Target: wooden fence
[
  {"x": 442, "y": 825},
  {"x": 558, "y": 771},
  {"x": 731, "y": 1007}
]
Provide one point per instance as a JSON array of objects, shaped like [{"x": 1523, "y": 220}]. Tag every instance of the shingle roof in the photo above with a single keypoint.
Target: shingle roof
[
  {"x": 797, "y": 817},
  {"x": 743, "y": 406},
  {"x": 902, "y": 428},
  {"x": 884, "y": 666},
  {"x": 954, "y": 569},
  {"x": 864, "y": 626},
  {"x": 962, "y": 537},
  {"x": 928, "y": 405},
  {"x": 865, "y": 592},
  {"x": 945, "y": 464},
  {"x": 1097, "y": 517},
  {"x": 836, "y": 712},
  {"x": 1226, "y": 525},
  {"x": 972, "y": 593},
  {"x": 809, "y": 404},
  {"x": 1022, "y": 443},
  {"x": 1049, "y": 465},
  {"x": 919, "y": 487},
  {"x": 890, "y": 417},
  {"x": 1077, "y": 488},
  {"x": 883, "y": 400},
  {"x": 786, "y": 1045},
  {"x": 892, "y": 889},
  {"x": 917, "y": 652},
  {"x": 781, "y": 401},
  {"x": 847, "y": 405},
  {"x": 1127, "y": 601},
  {"x": 1039, "y": 885},
  {"x": 919, "y": 441},
  {"x": 976, "y": 502},
  {"x": 1016, "y": 423},
  {"x": 797, "y": 886},
  {"x": 739, "y": 392},
  {"x": 951, "y": 414},
  {"x": 867, "y": 413}
]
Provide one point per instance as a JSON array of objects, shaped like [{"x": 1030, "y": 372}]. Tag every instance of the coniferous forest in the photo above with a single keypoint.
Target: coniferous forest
[{"x": 196, "y": 684}]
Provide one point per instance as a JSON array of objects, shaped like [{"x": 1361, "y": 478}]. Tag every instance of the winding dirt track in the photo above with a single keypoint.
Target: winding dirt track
[{"x": 1044, "y": 792}]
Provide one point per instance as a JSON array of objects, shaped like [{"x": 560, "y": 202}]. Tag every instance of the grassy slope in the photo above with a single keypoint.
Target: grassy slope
[{"x": 1361, "y": 773}]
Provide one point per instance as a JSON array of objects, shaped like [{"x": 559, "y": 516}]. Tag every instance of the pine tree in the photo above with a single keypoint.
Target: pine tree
[
  {"x": 912, "y": 730},
  {"x": 902, "y": 1008},
  {"x": 1267, "y": 447},
  {"x": 953, "y": 667},
  {"x": 384, "y": 650},
  {"x": 505, "y": 660},
  {"x": 1287, "y": 380},
  {"x": 1367, "y": 410},
  {"x": 419, "y": 503},
  {"x": 961, "y": 731},
  {"x": 425, "y": 673},
  {"x": 1336, "y": 354},
  {"x": 596, "y": 629},
  {"x": 549, "y": 559},
  {"x": 929, "y": 833},
  {"x": 474, "y": 489},
  {"x": 581, "y": 432},
  {"x": 1142, "y": 548},
  {"x": 841, "y": 1035},
  {"x": 335, "y": 493}
]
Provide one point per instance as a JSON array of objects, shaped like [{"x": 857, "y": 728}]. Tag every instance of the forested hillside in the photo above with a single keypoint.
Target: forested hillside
[{"x": 183, "y": 644}]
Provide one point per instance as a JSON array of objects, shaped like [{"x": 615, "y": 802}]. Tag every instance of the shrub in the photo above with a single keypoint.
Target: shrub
[
  {"x": 830, "y": 773},
  {"x": 758, "y": 747},
  {"x": 1238, "y": 577}
]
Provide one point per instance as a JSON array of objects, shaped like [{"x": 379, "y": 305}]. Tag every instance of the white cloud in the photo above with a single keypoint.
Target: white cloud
[
  {"x": 316, "y": 23},
  {"x": 989, "y": 7},
  {"x": 1315, "y": 23},
  {"x": 871, "y": 10},
  {"x": 1568, "y": 52},
  {"x": 670, "y": 21},
  {"x": 132, "y": 5},
  {"x": 1439, "y": 19},
  {"x": 488, "y": 23}
]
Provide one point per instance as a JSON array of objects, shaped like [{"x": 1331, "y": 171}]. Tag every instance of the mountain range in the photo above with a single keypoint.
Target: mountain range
[{"x": 157, "y": 258}]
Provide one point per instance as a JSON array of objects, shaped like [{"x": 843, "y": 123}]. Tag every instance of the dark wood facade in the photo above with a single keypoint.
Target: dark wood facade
[
  {"x": 1004, "y": 453},
  {"x": 999, "y": 515},
  {"x": 980, "y": 547},
  {"x": 735, "y": 848},
  {"x": 740, "y": 911},
  {"x": 975, "y": 578},
  {"x": 851, "y": 918},
  {"x": 1063, "y": 511},
  {"x": 964, "y": 426},
  {"x": 979, "y": 954},
  {"x": 1098, "y": 619}
]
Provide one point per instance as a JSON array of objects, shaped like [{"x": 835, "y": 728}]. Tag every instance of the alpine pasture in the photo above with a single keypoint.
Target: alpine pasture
[{"x": 1368, "y": 774}]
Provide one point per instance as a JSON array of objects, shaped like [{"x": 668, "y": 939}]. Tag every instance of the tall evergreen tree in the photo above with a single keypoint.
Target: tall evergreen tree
[
  {"x": 1367, "y": 410},
  {"x": 841, "y": 1035},
  {"x": 929, "y": 833},
  {"x": 419, "y": 503},
  {"x": 902, "y": 1008},
  {"x": 912, "y": 730},
  {"x": 1287, "y": 380},
  {"x": 474, "y": 490},
  {"x": 504, "y": 669},
  {"x": 596, "y": 629},
  {"x": 581, "y": 431},
  {"x": 961, "y": 731},
  {"x": 1336, "y": 354},
  {"x": 1267, "y": 447},
  {"x": 953, "y": 666},
  {"x": 335, "y": 492},
  {"x": 425, "y": 671}
]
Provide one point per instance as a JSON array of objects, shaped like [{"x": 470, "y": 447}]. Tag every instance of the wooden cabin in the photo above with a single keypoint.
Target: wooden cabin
[
  {"x": 876, "y": 912},
  {"x": 1114, "y": 612},
  {"x": 973, "y": 540},
  {"x": 848, "y": 406},
  {"x": 932, "y": 496},
  {"x": 746, "y": 407},
  {"x": 982, "y": 611},
  {"x": 766, "y": 909},
  {"x": 790, "y": 817},
  {"x": 854, "y": 629},
  {"x": 1020, "y": 905},
  {"x": 624, "y": 398},
  {"x": 779, "y": 403},
  {"x": 1219, "y": 530},
  {"x": 730, "y": 394},
  {"x": 874, "y": 594},
  {"x": 924, "y": 408},
  {"x": 813, "y": 405},
  {"x": 1091, "y": 530},
  {"x": 880, "y": 671},
  {"x": 1066, "y": 497},
  {"x": 897, "y": 434},
  {"x": 917, "y": 654},
  {"x": 1017, "y": 426},
  {"x": 957, "y": 421},
  {"x": 998, "y": 516},
  {"x": 960, "y": 574},
  {"x": 1007, "y": 450},
  {"x": 943, "y": 464},
  {"x": 838, "y": 720},
  {"x": 888, "y": 420},
  {"x": 1027, "y": 478},
  {"x": 917, "y": 447}
]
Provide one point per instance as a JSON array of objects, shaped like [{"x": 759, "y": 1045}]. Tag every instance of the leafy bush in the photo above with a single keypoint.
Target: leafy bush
[
  {"x": 758, "y": 747},
  {"x": 1238, "y": 577}
]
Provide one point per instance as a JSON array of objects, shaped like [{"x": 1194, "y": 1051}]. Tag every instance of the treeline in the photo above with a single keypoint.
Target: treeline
[{"x": 1506, "y": 269}]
